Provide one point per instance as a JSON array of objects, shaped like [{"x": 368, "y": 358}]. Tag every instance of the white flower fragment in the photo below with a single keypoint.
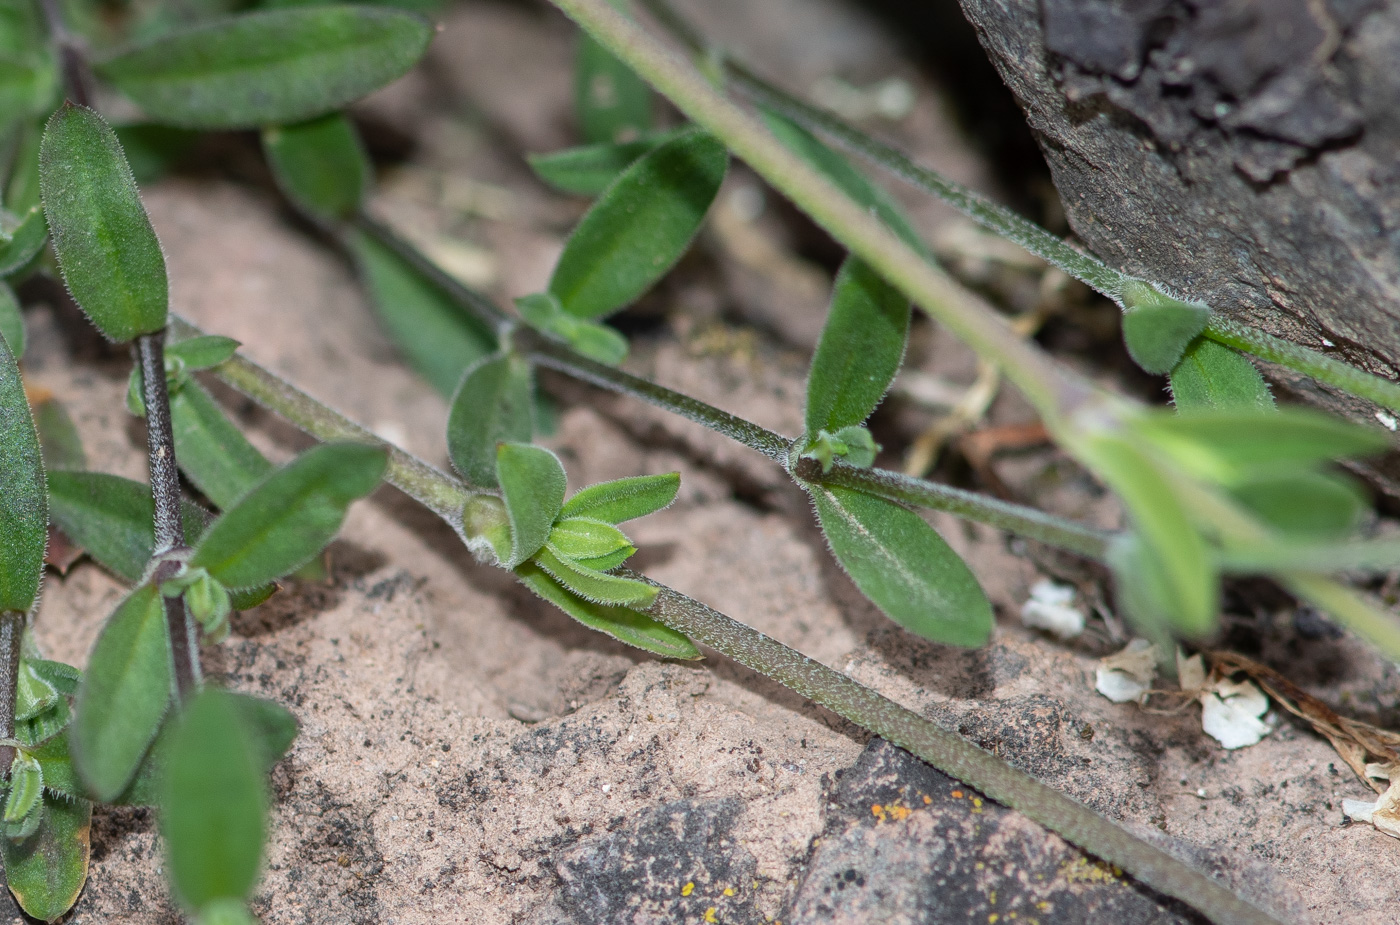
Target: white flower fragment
[
  {"x": 1230, "y": 713},
  {"x": 1384, "y": 814},
  {"x": 1050, "y": 608},
  {"x": 1127, "y": 675}
]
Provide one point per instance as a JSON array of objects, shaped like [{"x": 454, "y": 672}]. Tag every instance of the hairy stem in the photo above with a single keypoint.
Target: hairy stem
[
  {"x": 445, "y": 495},
  {"x": 11, "y": 634},
  {"x": 1052, "y": 389}
]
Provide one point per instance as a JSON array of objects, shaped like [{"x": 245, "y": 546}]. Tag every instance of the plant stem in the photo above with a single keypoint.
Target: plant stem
[
  {"x": 445, "y": 495},
  {"x": 954, "y": 755},
  {"x": 169, "y": 529},
  {"x": 428, "y": 485},
  {"x": 11, "y": 634},
  {"x": 1052, "y": 389},
  {"x": 76, "y": 76}
]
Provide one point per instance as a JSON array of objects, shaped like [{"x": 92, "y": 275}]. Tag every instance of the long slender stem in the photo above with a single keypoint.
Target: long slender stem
[
  {"x": 954, "y": 755},
  {"x": 445, "y": 495},
  {"x": 1053, "y": 389}
]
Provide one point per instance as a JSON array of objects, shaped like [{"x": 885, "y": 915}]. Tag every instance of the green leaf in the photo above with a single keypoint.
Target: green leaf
[
  {"x": 846, "y": 178},
  {"x": 290, "y": 516},
  {"x": 624, "y": 499},
  {"x": 543, "y": 312},
  {"x": 62, "y": 678},
  {"x": 22, "y": 189},
  {"x": 265, "y": 68},
  {"x": 853, "y": 444},
  {"x": 106, "y": 247},
  {"x": 1211, "y": 375},
  {"x": 903, "y": 566},
  {"x": 589, "y": 169},
  {"x": 1226, "y": 444},
  {"x": 584, "y": 538},
  {"x": 211, "y": 450},
  {"x": 59, "y": 442},
  {"x": 213, "y": 803},
  {"x": 592, "y": 585},
  {"x": 1180, "y": 579},
  {"x": 24, "y": 514},
  {"x": 154, "y": 150},
  {"x": 46, "y": 871},
  {"x": 1144, "y": 588},
  {"x": 623, "y": 624},
  {"x": 225, "y": 912},
  {"x": 492, "y": 405},
  {"x": 26, "y": 792},
  {"x": 640, "y": 227},
  {"x": 125, "y": 692},
  {"x": 860, "y": 349},
  {"x": 613, "y": 104},
  {"x": 11, "y": 321},
  {"x": 21, "y": 242},
  {"x": 60, "y": 776},
  {"x": 532, "y": 486},
  {"x": 271, "y": 727},
  {"x": 1157, "y": 328},
  {"x": 1305, "y": 505},
  {"x": 203, "y": 352},
  {"x": 33, "y": 694},
  {"x": 320, "y": 166},
  {"x": 436, "y": 336}
]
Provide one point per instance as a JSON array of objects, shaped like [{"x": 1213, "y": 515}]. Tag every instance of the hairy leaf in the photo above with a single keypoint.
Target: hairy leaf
[
  {"x": 26, "y": 789},
  {"x": 532, "y": 485},
  {"x": 903, "y": 566},
  {"x": 583, "y": 538},
  {"x": 59, "y": 773},
  {"x": 613, "y": 104},
  {"x": 640, "y": 227},
  {"x": 124, "y": 695},
  {"x": 211, "y": 450},
  {"x": 1211, "y": 375},
  {"x": 590, "y": 169},
  {"x": 595, "y": 586},
  {"x": 58, "y": 436},
  {"x": 492, "y": 405},
  {"x": 543, "y": 312},
  {"x": 320, "y": 165},
  {"x": 1157, "y": 328},
  {"x": 267, "y": 68},
  {"x": 11, "y": 320},
  {"x": 1306, "y": 505},
  {"x": 47, "y": 870},
  {"x": 623, "y": 624},
  {"x": 860, "y": 350},
  {"x": 106, "y": 247},
  {"x": 213, "y": 802},
  {"x": 437, "y": 337},
  {"x": 19, "y": 244},
  {"x": 290, "y": 516},
  {"x": 203, "y": 352},
  {"x": 24, "y": 514},
  {"x": 624, "y": 499}
]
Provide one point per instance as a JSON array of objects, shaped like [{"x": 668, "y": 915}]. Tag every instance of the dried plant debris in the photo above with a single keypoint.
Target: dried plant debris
[
  {"x": 1127, "y": 675},
  {"x": 1051, "y": 608}
]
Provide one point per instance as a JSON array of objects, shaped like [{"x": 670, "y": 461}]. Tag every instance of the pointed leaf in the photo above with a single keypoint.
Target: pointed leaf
[
  {"x": 63, "y": 678},
  {"x": 59, "y": 773},
  {"x": 492, "y": 405},
  {"x": 436, "y": 336},
  {"x": 271, "y": 727},
  {"x": 624, "y": 499},
  {"x": 11, "y": 320},
  {"x": 1211, "y": 375},
  {"x": 590, "y": 169},
  {"x": 1157, "y": 329},
  {"x": 581, "y": 538},
  {"x": 289, "y": 517},
  {"x": 23, "y": 499},
  {"x": 903, "y": 566},
  {"x": 1181, "y": 579},
  {"x": 265, "y": 68},
  {"x": 212, "y": 452},
  {"x": 1305, "y": 505},
  {"x": 613, "y": 104},
  {"x": 623, "y": 624},
  {"x": 532, "y": 485},
  {"x": 203, "y": 352},
  {"x": 106, "y": 247},
  {"x": 640, "y": 227},
  {"x": 845, "y": 177},
  {"x": 47, "y": 870},
  {"x": 591, "y": 585},
  {"x": 213, "y": 803},
  {"x": 20, "y": 244},
  {"x": 26, "y": 789},
  {"x": 860, "y": 350},
  {"x": 58, "y": 436},
  {"x": 125, "y": 692},
  {"x": 319, "y": 165}
]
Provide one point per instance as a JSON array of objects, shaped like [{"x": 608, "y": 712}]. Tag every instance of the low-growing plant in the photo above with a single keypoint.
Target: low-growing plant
[{"x": 1226, "y": 483}]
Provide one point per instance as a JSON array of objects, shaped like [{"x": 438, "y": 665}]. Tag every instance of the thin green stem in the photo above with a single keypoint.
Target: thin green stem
[
  {"x": 954, "y": 755},
  {"x": 445, "y": 495},
  {"x": 1054, "y": 390}
]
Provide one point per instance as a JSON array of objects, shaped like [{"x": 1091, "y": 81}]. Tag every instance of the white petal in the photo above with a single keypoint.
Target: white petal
[
  {"x": 1119, "y": 686},
  {"x": 1232, "y": 724}
]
